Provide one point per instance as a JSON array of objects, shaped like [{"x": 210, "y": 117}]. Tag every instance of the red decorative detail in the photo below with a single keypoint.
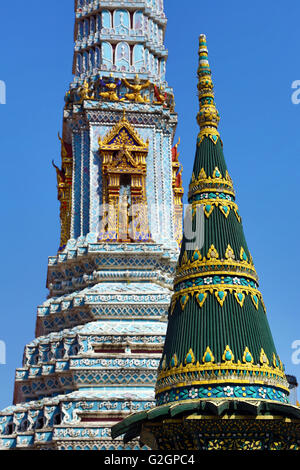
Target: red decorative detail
[
  {"x": 69, "y": 150},
  {"x": 178, "y": 182},
  {"x": 161, "y": 98},
  {"x": 175, "y": 153}
]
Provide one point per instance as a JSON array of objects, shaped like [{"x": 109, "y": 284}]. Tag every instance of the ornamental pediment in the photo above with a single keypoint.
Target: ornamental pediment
[{"x": 123, "y": 136}]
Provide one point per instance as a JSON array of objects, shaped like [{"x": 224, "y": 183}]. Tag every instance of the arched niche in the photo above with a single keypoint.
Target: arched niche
[
  {"x": 156, "y": 66},
  {"x": 98, "y": 22},
  {"x": 150, "y": 29},
  {"x": 163, "y": 69},
  {"x": 160, "y": 36},
  {"x": 78, "y": 64},
  {"x": 107, "y": 54},
  {"x": 85, "y": 62},
  {"x": 106, "y": 19},
  {"x": 80, "y": 30},
  {"x": 86, "y": 27},
  {"x": 97, "y": 56},
  {"x": 156, "y": 33},
  {"x": 146, "y": 24},
  {"x": 151, "y": 65},
  {"x": 91, "y": 59},
  {"x": 122, "y": 57},
  {"x": 147, "y": 59},
  {"x": 138, "y": 20},
  {"x": 121, "y": 21},
  {"x": 92, "y": 25},
  {"x": 138, "y": 57}
]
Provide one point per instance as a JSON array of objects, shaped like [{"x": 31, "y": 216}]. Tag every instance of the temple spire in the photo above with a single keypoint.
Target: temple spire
[
  {"x": 220, "y": 367},
  {"x": 120, "y": 195},
  {"x": 208, "y": 117}
]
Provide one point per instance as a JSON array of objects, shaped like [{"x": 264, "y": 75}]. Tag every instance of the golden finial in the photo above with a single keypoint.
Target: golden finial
[{"x": 208, "y": 117}]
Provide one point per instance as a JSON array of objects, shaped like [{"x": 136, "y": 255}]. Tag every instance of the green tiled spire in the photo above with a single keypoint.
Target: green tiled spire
[
  {"x": 221, "y": 384},
  {"x": 218, "y": 342}
]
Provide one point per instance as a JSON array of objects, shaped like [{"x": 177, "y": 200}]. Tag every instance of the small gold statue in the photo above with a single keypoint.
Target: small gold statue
[
  {"x": 84, "y": 92},
  {"x": 136, "y": 88},
  {"x": 112, "y": 88}
]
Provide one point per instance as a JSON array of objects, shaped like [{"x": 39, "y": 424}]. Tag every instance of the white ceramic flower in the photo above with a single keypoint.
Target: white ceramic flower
[
  {"x": 262, "y": 392},
  {"x": 193, "y": 393},
  {"x": 228, "y": 391}
]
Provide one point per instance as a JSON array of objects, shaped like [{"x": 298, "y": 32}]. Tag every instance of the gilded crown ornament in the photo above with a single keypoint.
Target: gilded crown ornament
[{"x": 208, "y": 116}]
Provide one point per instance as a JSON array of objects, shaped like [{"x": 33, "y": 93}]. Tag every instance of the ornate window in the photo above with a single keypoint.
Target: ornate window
[
  {"x": 40, "y": 423},
  {"x": 80, "y": 29},
  {"x": 125, "y": 214},
  {"x": 106, "y": 19},
  {"x": 107, "y": 54},
  {"x": 86, "y": 28},
  {"x": 78, "y": 64},
  {"x": 91, "y": 59},
  {"x": 121, "y": 21},
  {"x": 92, "y": 25},
  {"x": 122, "y": 57},
  {"x": 98, "y": 22},
  {"x": 139, "y": 57},
  {"x": 97, "y": 56},
  {"x": 9, "y": 429},
  {"x": 85, "y": 62},
  {"x": 138, "y": 22}
]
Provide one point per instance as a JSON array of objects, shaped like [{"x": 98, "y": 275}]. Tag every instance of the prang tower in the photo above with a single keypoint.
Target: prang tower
[{"x": 100, "y": 333}]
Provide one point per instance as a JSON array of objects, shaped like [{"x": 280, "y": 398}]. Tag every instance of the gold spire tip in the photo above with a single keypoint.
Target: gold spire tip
[{"x": 208, "y": 117}]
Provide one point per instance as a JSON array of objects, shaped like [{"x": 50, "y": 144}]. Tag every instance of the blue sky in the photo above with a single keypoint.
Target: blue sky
[{"x": 254, "y": 56}]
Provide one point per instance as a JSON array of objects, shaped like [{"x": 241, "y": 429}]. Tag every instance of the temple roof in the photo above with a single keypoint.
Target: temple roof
[{"x": 131, "y": 427}]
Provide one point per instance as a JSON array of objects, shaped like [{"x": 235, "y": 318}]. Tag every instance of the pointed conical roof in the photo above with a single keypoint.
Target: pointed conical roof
[{"x": 218, "y": 342}]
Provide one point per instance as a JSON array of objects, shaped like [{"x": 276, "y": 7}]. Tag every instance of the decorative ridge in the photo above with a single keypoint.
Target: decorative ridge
[
  {"x": 208, "y": 117},
  {"x": 193, "y": 379}
]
